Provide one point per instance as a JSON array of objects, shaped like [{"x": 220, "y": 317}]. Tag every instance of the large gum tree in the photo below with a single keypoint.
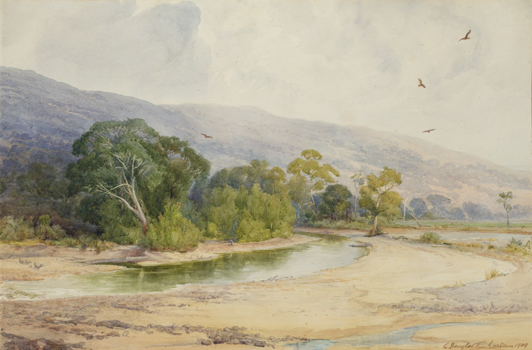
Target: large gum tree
[{"x": 131, "y": 163}]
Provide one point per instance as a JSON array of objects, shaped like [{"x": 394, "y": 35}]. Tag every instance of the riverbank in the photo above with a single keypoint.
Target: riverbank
[
  {"x": 41, "y": 261},
  {"x": 399, "y": 284}
]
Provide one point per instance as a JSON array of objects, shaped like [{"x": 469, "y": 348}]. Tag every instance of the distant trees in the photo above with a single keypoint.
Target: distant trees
[
  {"x": 504, "y": 199},
  {"x": 309, "y": 176},
  {"x": 378, "y": 198}
]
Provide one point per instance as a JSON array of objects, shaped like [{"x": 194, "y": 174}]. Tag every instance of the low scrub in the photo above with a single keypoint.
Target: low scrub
[
  {"x": 20, "y": 231},
  {"x": 173, "y": 231},
  {"x": 519, "y": 247},
  {"x": 430, "y": 237},
  {"x": 492, "y": 273}
]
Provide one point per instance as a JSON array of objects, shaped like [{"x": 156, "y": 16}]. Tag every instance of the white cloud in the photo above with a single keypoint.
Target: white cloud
[{"x": 353, "y": 62}]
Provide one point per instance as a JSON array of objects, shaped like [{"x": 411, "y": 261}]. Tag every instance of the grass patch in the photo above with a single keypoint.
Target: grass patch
[
  {"x": 430, "y": 237},
  {"x": 492, "y": 273},
  {"x": 471, "y": 245},
  {"x": 519, "y": 247},
  {"x": 456, "y": 285}
]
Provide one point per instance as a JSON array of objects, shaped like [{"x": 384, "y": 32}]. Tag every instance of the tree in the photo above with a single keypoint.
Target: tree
[
  {"x": 129, "y": 162},
  {"x": 378, "y": 198},
  {"x": 335, "y": 202},
  {"x": 359, "y": 180},
  {"x": 308, "y": 170},
  {"x": 505, "y": 198},
  {"x": 439, "y": 204},
  {"x": 38, "y": 180}
]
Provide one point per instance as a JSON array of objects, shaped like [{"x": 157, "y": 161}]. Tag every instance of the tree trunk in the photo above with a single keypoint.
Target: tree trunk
[
  {"x": 419, "y": 223},
  {"x": 313, "y": 201},
  {"x": 404, "y": 215},
  {"x": 374, "y": 231},
  {"x": 356, "y": 201},
  {"x": 508, "y": 218}
]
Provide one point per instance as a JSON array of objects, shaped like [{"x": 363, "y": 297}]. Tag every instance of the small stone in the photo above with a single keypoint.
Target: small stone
[{"x": 206, "y": 342}]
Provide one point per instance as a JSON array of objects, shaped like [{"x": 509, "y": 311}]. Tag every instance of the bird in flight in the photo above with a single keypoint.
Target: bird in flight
[
  {"x": 428, "y": 131},
  {"x": 466, "y": 37},
  {"x": 207, "y": 136},
  {"x": 421, "y": 83}
]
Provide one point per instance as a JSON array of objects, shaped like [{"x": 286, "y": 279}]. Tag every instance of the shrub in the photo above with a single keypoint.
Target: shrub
[
  {"x": 173, "y": 231},
  {"x": 517, "y": 246},
  {"x": 492, "y": 273},
  {"x": 430, "y": 237},
  {"x": 12, "y": 229}
]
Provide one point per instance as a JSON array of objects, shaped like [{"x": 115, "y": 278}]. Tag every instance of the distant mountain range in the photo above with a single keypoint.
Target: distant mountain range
[{"x": 40, "y": 118}]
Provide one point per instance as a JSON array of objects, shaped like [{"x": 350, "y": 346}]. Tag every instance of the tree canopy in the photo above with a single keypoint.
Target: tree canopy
[
  {"x": 130, "y": 163},
  {"x": 309, "y": 175},
  {"x": 378, "y": 198}
]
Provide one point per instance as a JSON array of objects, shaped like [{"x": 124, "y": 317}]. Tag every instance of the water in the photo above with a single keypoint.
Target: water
[
  {"x": 397, "y": 337},
  {"x": 301, "y": 260}
]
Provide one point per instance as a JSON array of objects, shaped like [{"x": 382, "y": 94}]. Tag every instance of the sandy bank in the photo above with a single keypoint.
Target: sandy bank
[
  {"x": 37, "y": 262},
  {"x": 396, "y": 286}
]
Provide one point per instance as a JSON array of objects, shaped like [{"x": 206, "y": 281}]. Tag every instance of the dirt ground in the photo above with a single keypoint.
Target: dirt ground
[{"x": 399, "y": 284}]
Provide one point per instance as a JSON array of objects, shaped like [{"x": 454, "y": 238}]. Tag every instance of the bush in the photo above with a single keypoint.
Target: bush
[
  {"x": 492, "y": 273},
  {"x": 430, "y": 237},
  {"x": 517, "y": 246},
  {"x": 12, "y": 229},
  {"x": 173, "y": 231}
]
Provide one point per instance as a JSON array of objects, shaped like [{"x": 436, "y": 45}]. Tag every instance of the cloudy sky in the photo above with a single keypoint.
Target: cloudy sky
[{"x": 347, "y": 62}]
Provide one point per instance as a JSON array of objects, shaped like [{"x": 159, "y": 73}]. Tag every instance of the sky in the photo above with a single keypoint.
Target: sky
[{"x": 350, "y": 62}]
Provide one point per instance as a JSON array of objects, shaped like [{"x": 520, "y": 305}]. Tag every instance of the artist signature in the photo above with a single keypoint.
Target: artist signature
[{"x": 484, "y": 345}]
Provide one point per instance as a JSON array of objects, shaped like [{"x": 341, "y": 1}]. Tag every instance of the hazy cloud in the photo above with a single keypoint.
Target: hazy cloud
[{"x": 352, "y": 62}]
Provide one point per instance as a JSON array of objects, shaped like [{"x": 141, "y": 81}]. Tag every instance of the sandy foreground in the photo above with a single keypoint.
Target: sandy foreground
[{"x": 399, "y": 284}]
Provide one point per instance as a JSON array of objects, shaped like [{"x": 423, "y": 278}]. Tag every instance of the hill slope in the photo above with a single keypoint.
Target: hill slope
[{"x": 40, "y": 118}]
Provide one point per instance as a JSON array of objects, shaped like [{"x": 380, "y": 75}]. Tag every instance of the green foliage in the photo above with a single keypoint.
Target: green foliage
[
  {"x": 518, "y": 247},
  {"x": 430, "y": 237},
  {"x": 12, "y": 229},
  {"x": 377, "y": 197},
  {"x": 310, "y": 176},
  {"x": 119, "y": 224},
  {"x": 130, "y": 163},
  {"x": 265, "y": 216},
  {"x": 3, "y": 186},
  {"x": 44, "y": 220},
  {"x": 173, "y": 231},
  {"x": 335, "y": 202}
]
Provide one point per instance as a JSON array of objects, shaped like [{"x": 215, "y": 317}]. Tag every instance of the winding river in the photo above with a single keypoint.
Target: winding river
[{"x": 297, "y": 261}]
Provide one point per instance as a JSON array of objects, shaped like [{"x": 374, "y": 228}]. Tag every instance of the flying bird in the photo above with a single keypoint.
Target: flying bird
[
  {"x": 421, "y": 83},
  {"x": 207, "y": 136},
  {"x": 466, "y": 37},
  {"x": 428, "y": 131}
]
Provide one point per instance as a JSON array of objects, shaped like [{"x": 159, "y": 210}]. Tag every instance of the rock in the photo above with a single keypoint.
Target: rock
[
  {"x": 206, "y": 342},
  {"x": 259, "y": 343}
]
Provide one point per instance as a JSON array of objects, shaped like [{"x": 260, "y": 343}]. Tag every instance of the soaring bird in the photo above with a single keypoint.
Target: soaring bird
[
  {"x": 421, "y": 83},
  {"x": 466, "y": 37},
  {"x": 207, "y": 136},
  {"x": 428, "y": 131}
]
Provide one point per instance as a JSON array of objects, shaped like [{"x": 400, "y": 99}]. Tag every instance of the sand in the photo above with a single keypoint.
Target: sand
[{"x": 398, "y": 284}]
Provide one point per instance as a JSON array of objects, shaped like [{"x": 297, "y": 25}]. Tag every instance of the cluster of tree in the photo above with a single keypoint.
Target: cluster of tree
[
  {"x": 137, "y": 185},
  {"x": 441, "y": 208},
  {"x": 248, "y": 203}
]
